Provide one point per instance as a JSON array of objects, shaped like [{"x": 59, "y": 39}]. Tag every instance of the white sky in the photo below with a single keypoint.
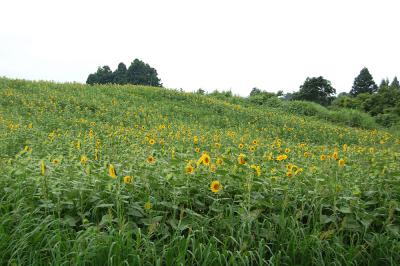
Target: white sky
[{"x": 209, "y": 44}]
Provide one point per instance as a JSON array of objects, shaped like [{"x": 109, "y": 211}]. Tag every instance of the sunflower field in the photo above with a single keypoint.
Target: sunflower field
[{"x": 133, "y": 175}]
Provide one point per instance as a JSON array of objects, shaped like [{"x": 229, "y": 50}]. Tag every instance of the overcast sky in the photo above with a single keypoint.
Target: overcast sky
[{"x": 214, "y": 44}]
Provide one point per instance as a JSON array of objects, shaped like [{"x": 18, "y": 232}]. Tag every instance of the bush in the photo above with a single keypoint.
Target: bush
[{"x": 388, "y": 120}]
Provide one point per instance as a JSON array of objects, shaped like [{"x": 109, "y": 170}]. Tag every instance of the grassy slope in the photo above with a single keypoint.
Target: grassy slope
[{"x": 75, "y": 212}]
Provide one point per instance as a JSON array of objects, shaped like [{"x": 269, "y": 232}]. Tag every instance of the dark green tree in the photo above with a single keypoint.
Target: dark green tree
[
  {"x": 384, "y": 83},
  {"x": 103, "y": 75},
  {"x": 395, "y": 83},
  {"x": 92, "y": 79},
  {"x": 120, "y": 74},
  {"x": 255, "y": 91},
  {"x": 201, "y": 91},
  {"x": 363, "y": 83},
  {"x": 317, "y": 90},
  {"x": 142, "y": 74}
]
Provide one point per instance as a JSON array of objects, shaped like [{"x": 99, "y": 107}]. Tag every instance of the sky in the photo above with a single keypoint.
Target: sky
[{"x": 210, "y": 44}]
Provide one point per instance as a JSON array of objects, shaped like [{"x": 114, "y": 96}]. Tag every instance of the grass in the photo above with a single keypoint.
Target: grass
[{"x": 59, "y": 208}]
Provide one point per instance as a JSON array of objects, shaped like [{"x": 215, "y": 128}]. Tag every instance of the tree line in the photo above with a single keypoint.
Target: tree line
[
  {"x": 381, "y": 102},
  {"x": 138, "y": 73}
]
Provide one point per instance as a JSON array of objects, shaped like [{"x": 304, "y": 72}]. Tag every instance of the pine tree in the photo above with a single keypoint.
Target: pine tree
[{"x": 363, "y": 83}]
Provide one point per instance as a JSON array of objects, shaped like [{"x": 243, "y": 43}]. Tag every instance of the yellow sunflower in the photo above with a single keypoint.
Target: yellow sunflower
[
  {"x": 147, "y": 205},
  {"x": 112, "y": 172},
  {"x": 151, "y": 159},
  {"x": 128, "y": 179},
  {"x": 189, "y": 169},
  {"x": 242, "y": 159},
  {"x": 84, "y": 159},
  {"x": 215, "y": 186},
  {"x": 281, "y": 157}
]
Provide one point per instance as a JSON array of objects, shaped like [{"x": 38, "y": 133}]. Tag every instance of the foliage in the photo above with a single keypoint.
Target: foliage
[
  {"x": 255, "y": 91},
  {"x": 126, "y": 175},
  {"x": 384, "y": 105},
  {"x": 138, "y": 73},
  {"x": 120, "y": 75},
  {"x": 103, "y": 75},
  {"x": 317, "y": 90},
  {"x": 363, "y": 83}
]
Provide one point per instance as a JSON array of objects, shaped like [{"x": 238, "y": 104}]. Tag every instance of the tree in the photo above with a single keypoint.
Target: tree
[
  {"x": 103, "y": 75},
  {"x": 317, "y": 90},
  {"x": 200, "y": 91},
  {"x": 395, "y": 84},
  {"x": 92, "y": 79},
  {"x": 255, "y": 91},
  {"x": 142, "y": 74},
  {"x": 384, "y": 83},
  {"x": 137, "y": 73},
  {"x": 119, "y": 75},
  {"x": 363, "y": 83}
]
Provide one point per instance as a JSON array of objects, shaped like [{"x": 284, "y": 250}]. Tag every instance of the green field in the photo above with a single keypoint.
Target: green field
[{"x": 132, "y": 175}]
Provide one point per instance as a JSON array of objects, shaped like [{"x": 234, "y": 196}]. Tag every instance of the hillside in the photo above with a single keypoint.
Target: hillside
[{"x": 115, "y": 174}]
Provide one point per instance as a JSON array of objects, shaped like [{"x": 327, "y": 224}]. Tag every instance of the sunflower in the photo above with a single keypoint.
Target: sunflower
[
  {"x": 241, "y": 145},
  {"x": 341, "y": 162},
  {"x": 196, "y": 140},
  {"x": 147, "y": 205},
  {"x": 345, "y": 146},
  {"x": 151, "y": 159},
  {"x": 84, "y": 159},
  {"x": 242, "y": 159},
  {"x": 128, "y": 179},
  {"x": 257, "y": 169},
  {"x": 269, "y": 157},
  {"x": 252, "y": 149},
  {"x": 287, "y": 150},
  {"x": 42, "y": 167},
  {"x": 298, "y": 171},
  {"x": 281, "y": 157},
  {"x": 219, "y": 161},
  {"x": 56, "y": 161},
  {"x": 335, "y": 155},
  {"x": 189, "y": 169},
  {"x": 215, "y": 186},
  {"x": 213, "y": 168},
  {"x": 152, "y": 141},
  {"x": 197, "y": 149},
  {"x": 112, "y": 172},
  {"x": 254, "y": 142},
  {"x": 204, "y": 159},
  {"x": 322, "y": 157},
  {"x": 289, "y": 173}
]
